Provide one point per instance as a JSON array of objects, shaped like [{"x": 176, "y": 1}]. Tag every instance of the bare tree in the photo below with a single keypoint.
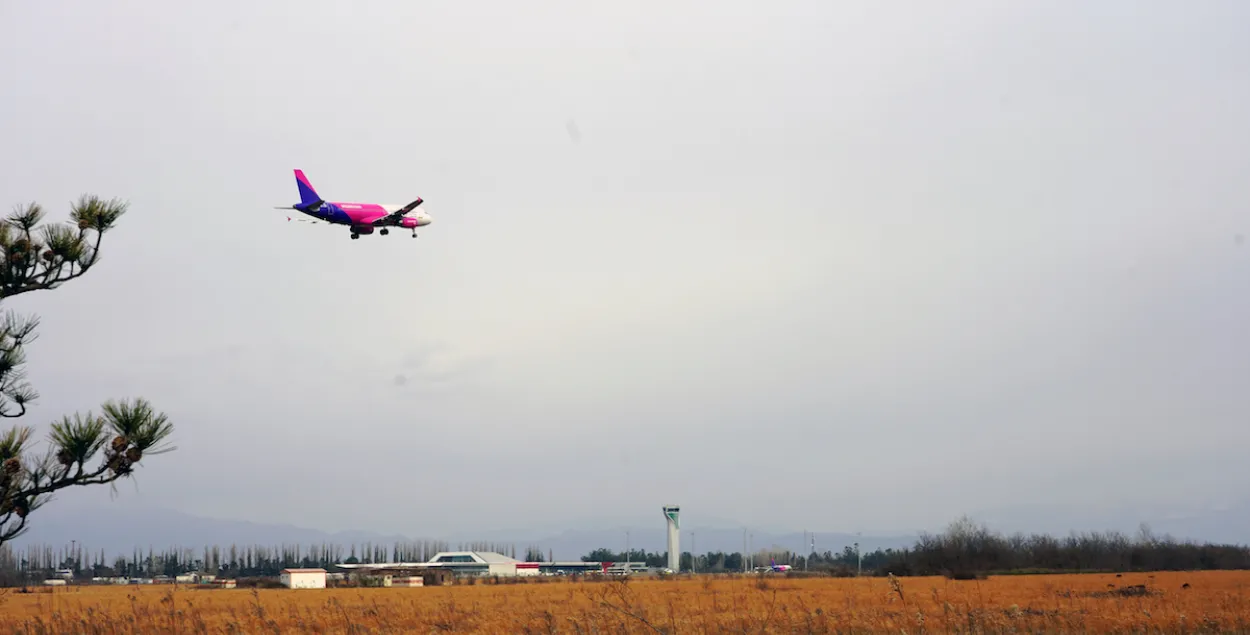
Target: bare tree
[{"x": 43, "y": 258}]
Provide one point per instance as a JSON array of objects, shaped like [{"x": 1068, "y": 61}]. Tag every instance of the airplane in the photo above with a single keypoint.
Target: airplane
[
  {"x": 778, "y": 567},
  {"x": 363, "y": 218}
]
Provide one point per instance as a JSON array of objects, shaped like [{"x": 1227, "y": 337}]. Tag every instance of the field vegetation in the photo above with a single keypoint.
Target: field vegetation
[{"x": 1174, "y": 602}]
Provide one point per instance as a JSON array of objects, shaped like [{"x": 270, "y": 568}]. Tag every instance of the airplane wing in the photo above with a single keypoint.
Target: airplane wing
[{"x": 394, "y": 217}]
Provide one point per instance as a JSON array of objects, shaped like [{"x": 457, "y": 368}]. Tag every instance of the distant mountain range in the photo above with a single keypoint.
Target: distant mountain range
[{"x": 119, "y": 529}]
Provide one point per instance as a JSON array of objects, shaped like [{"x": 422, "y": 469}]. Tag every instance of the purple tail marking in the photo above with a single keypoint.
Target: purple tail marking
[{"x": 307, "y": 195}]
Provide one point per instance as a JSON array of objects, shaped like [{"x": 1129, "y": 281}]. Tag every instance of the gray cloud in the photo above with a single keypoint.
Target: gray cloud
[{"x": 804, "y": 265}]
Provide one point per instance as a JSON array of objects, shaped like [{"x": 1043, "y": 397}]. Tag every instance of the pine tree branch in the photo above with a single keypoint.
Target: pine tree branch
[
  {"x": 31, "y": 264},
  {"x": 4, "y": 414},
  {"x": 48, "y": 282},
  {"x": 9, "y": 533},
  {"x": 44, "y": 261}
]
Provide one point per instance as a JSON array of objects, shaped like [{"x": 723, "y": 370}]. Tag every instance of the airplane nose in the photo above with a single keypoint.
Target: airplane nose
[{"x": 425, "y": 219}]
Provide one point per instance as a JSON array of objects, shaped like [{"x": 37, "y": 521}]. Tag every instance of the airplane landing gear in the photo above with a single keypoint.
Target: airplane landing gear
[
  {"x": 414, "y": 233},
  {"x": 355, "y": 236},
  {"x": 384, "y": 231}
]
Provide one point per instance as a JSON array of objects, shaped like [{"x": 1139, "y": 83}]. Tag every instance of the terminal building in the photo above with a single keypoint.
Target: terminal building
[{"x": 487, "y": 563}]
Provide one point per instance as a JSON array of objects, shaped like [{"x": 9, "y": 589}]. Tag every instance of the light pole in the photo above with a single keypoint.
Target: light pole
[
  {"x": 752, "y": 548},
  {"x": 859, "y": 566},
  {"x": 744, "y": 549}
]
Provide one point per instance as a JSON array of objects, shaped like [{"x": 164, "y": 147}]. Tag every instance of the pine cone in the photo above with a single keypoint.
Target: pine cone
[
  {"x": 134, "y": 454},
  {"x": 12, "y": 466},
  {"x": 65, "y": 457},
  {"x": 21, "y": 508},
  {"x": 120, "y": 443},
  {"x": 84, "y": 223}
]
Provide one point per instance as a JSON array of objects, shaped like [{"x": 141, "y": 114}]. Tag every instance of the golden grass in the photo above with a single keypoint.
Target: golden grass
[{"x": 1217, "y": 601}]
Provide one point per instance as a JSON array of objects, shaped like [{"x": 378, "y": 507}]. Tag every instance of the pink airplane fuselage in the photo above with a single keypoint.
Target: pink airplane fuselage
[{"x": 362, "y": 215}]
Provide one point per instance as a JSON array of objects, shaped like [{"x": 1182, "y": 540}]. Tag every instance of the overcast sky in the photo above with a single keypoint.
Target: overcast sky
[{"x": 846, "y": 266}]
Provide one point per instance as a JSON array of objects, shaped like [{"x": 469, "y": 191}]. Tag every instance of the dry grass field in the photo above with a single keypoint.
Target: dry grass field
[{"x": 1164, "y": 602}]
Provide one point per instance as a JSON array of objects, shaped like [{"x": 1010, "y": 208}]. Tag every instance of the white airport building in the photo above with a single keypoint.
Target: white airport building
[
  {"x": 303, "y": 578},
  {"x": 485, "y": 563},
  {"x": 490, "y": 563}
]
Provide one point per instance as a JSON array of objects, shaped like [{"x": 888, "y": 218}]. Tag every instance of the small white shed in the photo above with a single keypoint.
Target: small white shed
[{"x": 303, "y": 578}]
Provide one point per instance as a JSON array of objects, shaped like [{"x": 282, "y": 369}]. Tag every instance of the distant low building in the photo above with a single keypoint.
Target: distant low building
[
  {"x": 194, "y": 578},
  {"x": 303, "y": 578}
]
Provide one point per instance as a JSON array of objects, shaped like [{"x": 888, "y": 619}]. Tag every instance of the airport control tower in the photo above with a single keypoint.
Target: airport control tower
[{"x": 674, "y": 552}]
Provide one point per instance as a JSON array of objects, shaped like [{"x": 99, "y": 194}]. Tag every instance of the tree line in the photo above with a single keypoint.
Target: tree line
[
  {"x": 725, "y": 562},
  {"x": 968, "y": 549},
  {"x": 965, "y": 549},
  {"x": 18, "y": 566}
]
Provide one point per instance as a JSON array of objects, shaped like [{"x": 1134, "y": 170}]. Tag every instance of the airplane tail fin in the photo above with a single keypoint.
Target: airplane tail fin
[{"x": 307, "y": 195}]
